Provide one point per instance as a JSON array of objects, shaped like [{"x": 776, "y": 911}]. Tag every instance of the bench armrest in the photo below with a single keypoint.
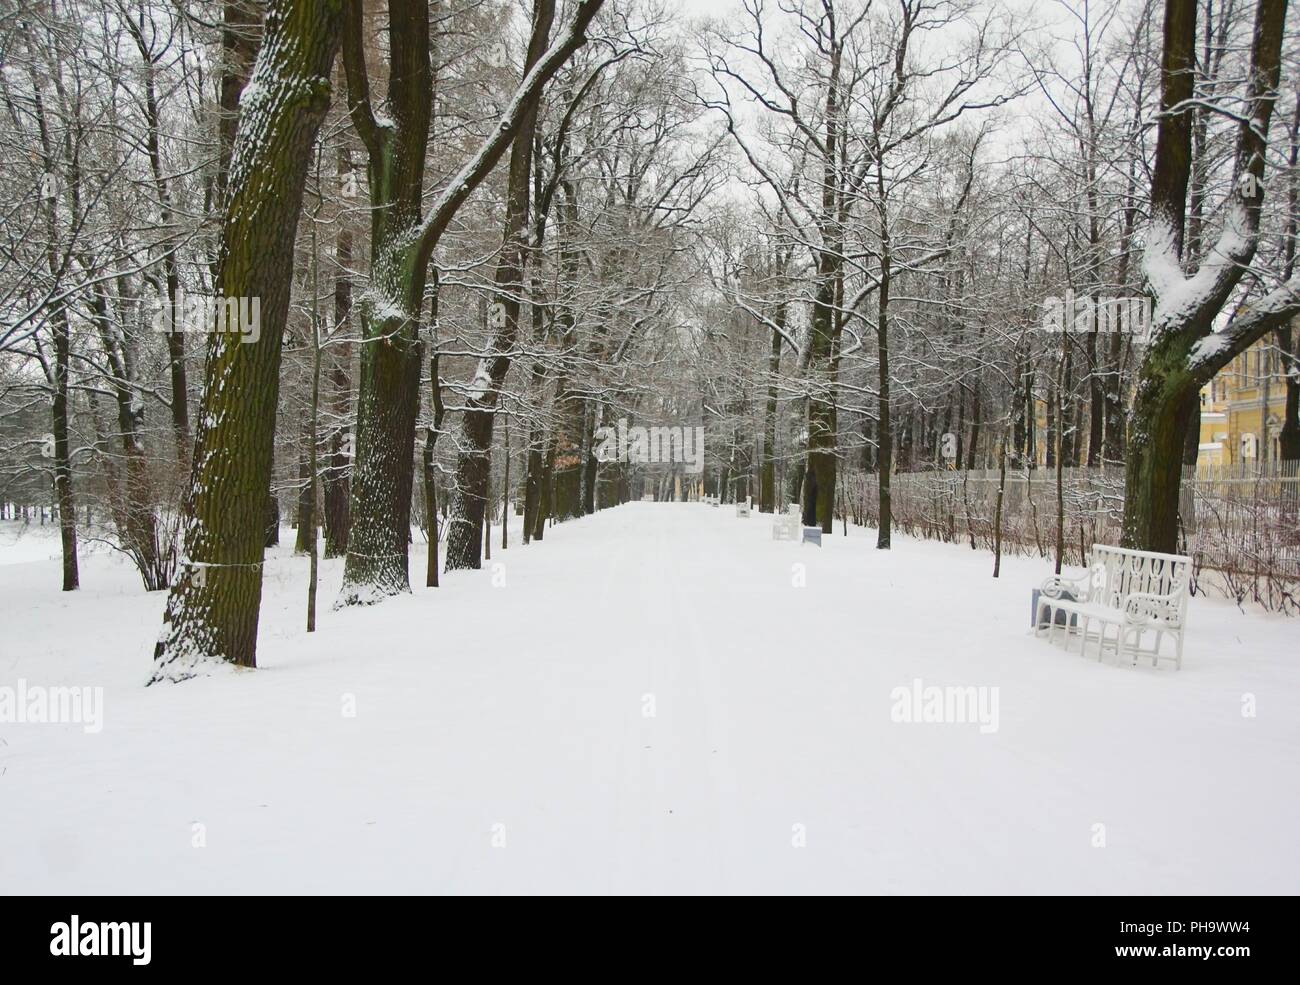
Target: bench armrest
[
  {"x": 1146, "y": 607},
  {"x": 1056, "y": 584}
]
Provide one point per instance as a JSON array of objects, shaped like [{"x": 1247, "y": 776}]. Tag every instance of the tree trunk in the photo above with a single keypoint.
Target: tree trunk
[
  {"x": 470, "y": 505},
  {"x": 402, "y": 247},
  {"x": 884, "y": 425},
  {"x": 62, "y": 451},
  {"x": 1174, "y": 368},
  {"x": 767, "y": 476},
  {"x": 335, "y": 480},
  {"x": 306, "y": 505},
  {"x": 212, "y": 610}
]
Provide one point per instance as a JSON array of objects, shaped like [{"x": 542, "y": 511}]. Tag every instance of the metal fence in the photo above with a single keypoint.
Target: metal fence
[{"x": 1240, "y": 523}]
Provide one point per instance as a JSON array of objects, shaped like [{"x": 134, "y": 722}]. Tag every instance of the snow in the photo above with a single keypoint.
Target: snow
[
  {"x": 501, "y": 744},
  {"x": 23, "y": 542},
  {"x": 481, "y": 383}
]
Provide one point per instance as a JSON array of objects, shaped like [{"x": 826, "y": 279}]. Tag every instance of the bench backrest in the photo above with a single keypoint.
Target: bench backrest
[
  {"x": 1115, "y": 573},
  {"x": 785, "y": 527}
]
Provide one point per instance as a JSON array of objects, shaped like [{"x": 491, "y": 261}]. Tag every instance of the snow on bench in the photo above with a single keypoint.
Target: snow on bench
[
  {"x": 709, "y": 500},
  {"x": 787, "y": 525},
  {"x": 1133, "y": 592},
  {"x": 742, "y": 508}
]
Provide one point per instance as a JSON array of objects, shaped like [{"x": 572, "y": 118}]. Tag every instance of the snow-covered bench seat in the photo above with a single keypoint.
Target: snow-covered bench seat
[
  {"x": 742, "y": 507},
  {"x": 1130, "y": 592}
]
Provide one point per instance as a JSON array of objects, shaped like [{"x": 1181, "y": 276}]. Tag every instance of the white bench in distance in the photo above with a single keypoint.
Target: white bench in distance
[
  {"x": 788, "y": 525},
  {"x": 742, "y": 508},
  {"x": 1131, "y": 592}
]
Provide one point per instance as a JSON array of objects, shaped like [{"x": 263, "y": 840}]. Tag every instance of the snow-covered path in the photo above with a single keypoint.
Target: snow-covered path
[{"x": 646, "y": 702}]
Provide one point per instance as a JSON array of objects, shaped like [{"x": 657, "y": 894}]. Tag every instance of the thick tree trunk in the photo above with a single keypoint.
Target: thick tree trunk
[
  {"x": 1174, "y": 368},
  {"x": 388, "y": 399},
  {"x": 212, "y": 610},
  {"x": 403, "y": 245},
  {"x": 384, "y": 472},
  {"x": 1153, "y": 471}
]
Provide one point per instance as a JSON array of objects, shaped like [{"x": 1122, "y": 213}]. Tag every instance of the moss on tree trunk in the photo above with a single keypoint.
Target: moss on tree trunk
[{"x": 213, "y": 607}]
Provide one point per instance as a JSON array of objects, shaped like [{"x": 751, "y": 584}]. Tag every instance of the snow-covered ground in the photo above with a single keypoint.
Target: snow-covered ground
[{"x": 646, "y": 702}]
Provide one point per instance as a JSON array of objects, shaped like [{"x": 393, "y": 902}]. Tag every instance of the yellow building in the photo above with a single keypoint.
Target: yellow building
[{"x": 1242, "y": 409}]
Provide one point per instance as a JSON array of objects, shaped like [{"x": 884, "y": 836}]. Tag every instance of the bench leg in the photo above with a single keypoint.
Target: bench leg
[
  {"x": 1122, "y": 634},
  {"x": 1116, "y": 645},
  {"x": 1043, "y": 619}
]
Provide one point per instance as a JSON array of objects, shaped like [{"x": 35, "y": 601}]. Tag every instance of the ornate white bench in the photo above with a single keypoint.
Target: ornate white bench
[
  {"x": 742, "y": 508},
  {"x": 709, "y": 500},
  {"x": 1131, "y": 592},
  {"x": 787, "y": 525}
]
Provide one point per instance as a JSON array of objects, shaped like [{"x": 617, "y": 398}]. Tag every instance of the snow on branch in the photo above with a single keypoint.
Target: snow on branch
[
  {"x": 482, "y": 163},
  {"x": 1212, "y": 353}
]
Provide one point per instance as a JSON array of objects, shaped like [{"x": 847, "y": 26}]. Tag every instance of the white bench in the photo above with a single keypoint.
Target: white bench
[
  {"x": 708, "y": 500},
  {"x": 742, "y": 508},
  {"x": 788, "y": 525},
  {"x": 1133, "y": 592}
]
